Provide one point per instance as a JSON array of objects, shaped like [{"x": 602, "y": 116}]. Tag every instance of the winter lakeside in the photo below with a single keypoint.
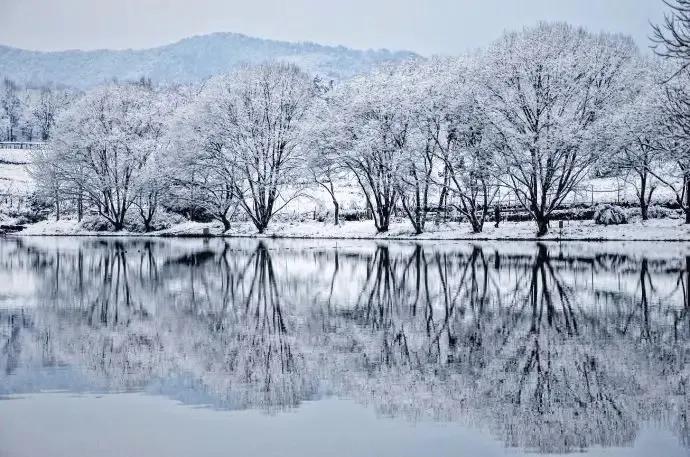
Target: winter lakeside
[{"x": 231, "y": 245}]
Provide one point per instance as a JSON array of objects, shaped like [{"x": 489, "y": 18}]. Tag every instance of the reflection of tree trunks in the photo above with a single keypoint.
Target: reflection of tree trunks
[
  {"x": 12, "y": 347},
  {"x": 546, "y": 322},
  {"x": 544, "y": 281},
  {"x": 112, "y": 295},
  {"x": 644, "y": 302},
  {"x": 336, "y": 268},
  {"x": 80, "y": 279},
  {"x": 681, "y": 316},
  {"x": 378, "y": 290},
  {"x": 646, "y": 287},
  {"x": 263, "y": 305}
]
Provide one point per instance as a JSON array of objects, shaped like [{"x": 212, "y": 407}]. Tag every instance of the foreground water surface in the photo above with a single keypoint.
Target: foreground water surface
[{"x": 309, "y": 348}]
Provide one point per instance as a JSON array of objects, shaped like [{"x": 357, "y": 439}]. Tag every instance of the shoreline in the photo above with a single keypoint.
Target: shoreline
[{"x": 658, "y": 230}]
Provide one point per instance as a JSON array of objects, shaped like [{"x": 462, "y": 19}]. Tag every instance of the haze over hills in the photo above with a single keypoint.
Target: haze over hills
[{"x": 189, "y": 60}]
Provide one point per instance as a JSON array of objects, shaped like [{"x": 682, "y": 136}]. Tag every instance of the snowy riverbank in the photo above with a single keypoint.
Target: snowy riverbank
[{"x": 653, "y": 230}]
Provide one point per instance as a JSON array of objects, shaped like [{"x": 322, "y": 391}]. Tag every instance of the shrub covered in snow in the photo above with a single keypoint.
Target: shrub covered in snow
[
  {"x": 610, "y": 215},
  {"x": 95, "y": 223},
  {"x": 659, "y": 212},
  {"x": 35, "y": 210},
  {"x": 165, "y": 219},
  {"x": 161, "y": 220}
]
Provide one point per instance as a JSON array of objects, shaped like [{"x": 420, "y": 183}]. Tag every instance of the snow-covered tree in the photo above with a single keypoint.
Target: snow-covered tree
[
  {"x": 255, "y": 116},
  {"x": 419, "y": 159},
  {"x": 201, "y": 169},
  {"x": 672, "y": 37},
  {"x": 672, "y": 40},
  {"x": 675, "y": 167},
  {"x": 326, "y": 166},
  {"x": 370, "y": 119},
  {"x": 450, "y": 114},
  {"x": 44, "y": 108},
  {"x": 548, "y": 91},
  {"x": 103, "y": 142},
  {"x": 638, "y": 130},
  {"x": 11, "y": 108}
]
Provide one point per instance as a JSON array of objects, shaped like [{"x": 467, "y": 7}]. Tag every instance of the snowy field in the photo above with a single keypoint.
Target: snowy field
[{"x": 14, "y": 175}]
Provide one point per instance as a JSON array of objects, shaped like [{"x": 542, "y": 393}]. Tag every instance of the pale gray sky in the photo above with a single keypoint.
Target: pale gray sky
[{"x": 427, "y": 27}]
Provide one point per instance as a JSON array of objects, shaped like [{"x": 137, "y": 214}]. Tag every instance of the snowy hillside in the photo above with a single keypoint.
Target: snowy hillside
[{"x": 191, "y": 59}]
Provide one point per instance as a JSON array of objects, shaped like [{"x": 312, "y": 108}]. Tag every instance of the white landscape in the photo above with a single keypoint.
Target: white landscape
[
  {"x": 373, "y": 228},
  {"x": 551, "y": 123}
]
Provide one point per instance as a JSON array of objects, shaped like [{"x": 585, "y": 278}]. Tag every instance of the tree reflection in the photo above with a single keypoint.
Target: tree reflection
[{"x": 553, "y": 349}]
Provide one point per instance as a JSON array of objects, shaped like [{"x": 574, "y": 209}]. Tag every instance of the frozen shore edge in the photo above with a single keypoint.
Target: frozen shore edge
[{"x": 666, "y": 230}]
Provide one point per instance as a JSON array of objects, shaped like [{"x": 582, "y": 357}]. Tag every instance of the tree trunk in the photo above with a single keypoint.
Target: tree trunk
[
  {"x": 687, "y": 201},
  {"x": 57, "y": 205},
  {"x": 644, "y": 204},
  {"x": 418, "y": 227},
  {"x": 80, "y": 206},
  {"x": 382, "y": 218},
  {"x": 542, "y": 225},
  {"x": 687, "y": 282},
  {"x": 475, "y": 222},
  {"x": 442, "y": 205},
  {"x": 336, "y": 212},
  {"x": 644, "y": 208},
  {"x": 226, "y": 223},
  {"x": 382, "y": 224}
]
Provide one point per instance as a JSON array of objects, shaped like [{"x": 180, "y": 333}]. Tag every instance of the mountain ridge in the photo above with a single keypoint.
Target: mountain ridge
[{"x": 188, "y": 60}]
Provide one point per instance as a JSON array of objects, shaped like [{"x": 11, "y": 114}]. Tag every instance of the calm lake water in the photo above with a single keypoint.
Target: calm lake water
[{"x": 122, "y": 347}]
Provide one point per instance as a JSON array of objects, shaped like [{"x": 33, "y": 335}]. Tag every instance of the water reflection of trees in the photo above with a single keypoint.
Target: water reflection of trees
[
  {"x": 552, "y": 350},
  {"x": 237, "y": 298},
  {"x": 552, "y": 369}
]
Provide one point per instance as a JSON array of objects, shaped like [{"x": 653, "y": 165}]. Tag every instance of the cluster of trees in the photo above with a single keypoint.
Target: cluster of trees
[
  {"x": 531, "y": 116},
  {"x": 28, "y": 113}
]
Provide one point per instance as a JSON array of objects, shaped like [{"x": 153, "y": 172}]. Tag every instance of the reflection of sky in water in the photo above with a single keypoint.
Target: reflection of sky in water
[
  {"x": 548, "y": 348},
  {"x": 134, "y": 424},
  {"x": 17, "y": 287}
]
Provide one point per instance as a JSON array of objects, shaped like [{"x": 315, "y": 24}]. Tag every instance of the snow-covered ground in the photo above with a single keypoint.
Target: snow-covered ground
[
  {"x": 14, "y": 175},
  {"x": 653, "y": 230}
]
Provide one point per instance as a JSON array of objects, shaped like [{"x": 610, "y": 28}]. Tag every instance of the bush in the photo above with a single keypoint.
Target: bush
[
  {"x": 610, "y": 215},
  {"x": 166, "y": 219},
  {"x": 35, "y": 210},
  {"x": 162, "y": 220},
  {"x": 353, "y": 215},
  {"x": 95, "y": 224},
  {"x": 659, "y": 212}
]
